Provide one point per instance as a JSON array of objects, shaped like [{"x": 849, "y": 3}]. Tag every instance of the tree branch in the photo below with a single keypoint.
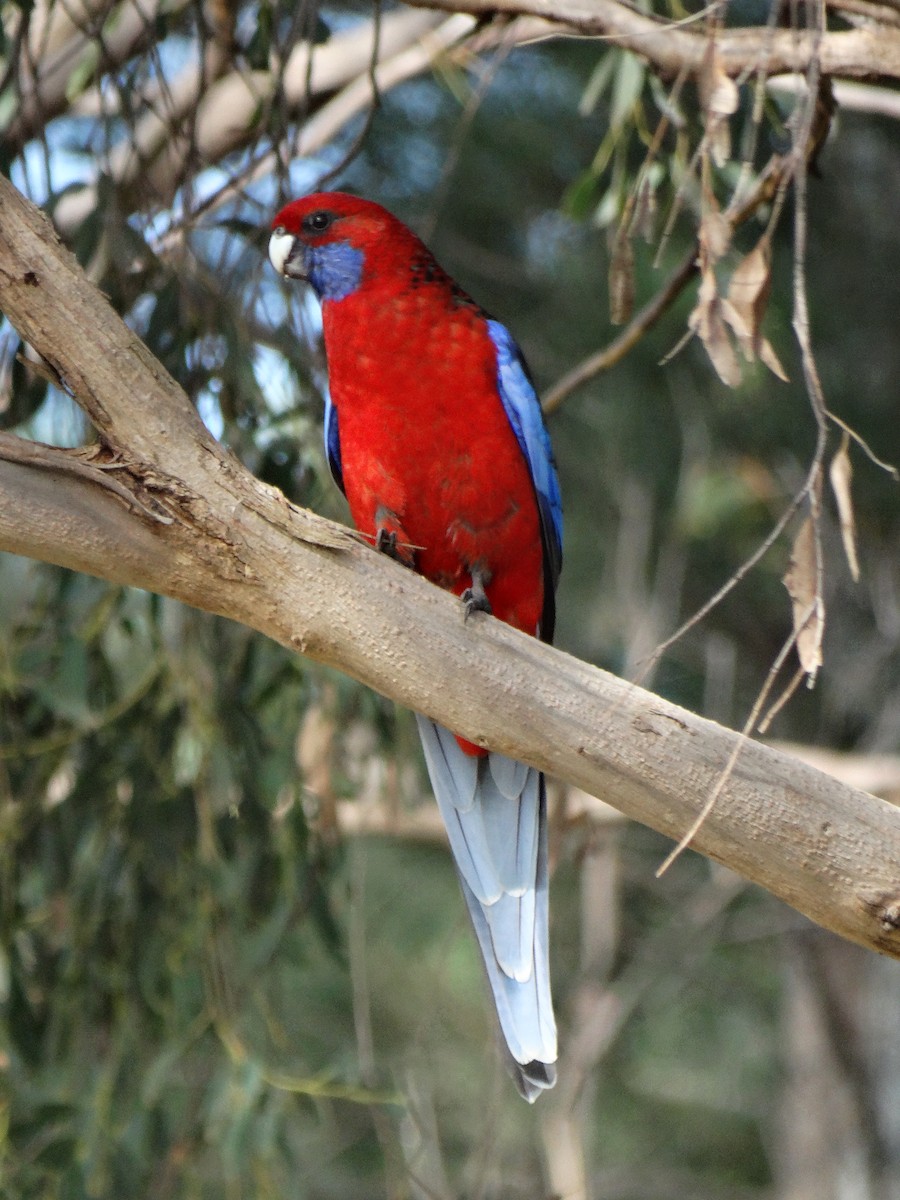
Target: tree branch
[
  {"x": 236, "y": 547},
  {"x": 230, "y": 113},
  {"x": 59, "y": 39},
  {"x": 673, "y": 47},
  {"x": 641, "y": 323}
]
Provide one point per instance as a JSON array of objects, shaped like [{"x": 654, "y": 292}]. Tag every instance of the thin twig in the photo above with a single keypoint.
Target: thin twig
[
  {"x": 736, "y": 750},
  {"x": 360, "y": 140},
  {"x": 642, "y": 321},
  {"x": 863, "y": 445},
  {"x": 739, "y": 574},
  {"x": 804, "y": 142},
  {"x": 777, "y": 705},
  {"x": 774, "y": 178},
  {"x": 461, "y": 131}
]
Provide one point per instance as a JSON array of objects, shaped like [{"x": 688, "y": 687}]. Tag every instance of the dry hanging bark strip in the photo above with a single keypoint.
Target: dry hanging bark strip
[
  {"x": 840, "y": 475},
  {"x": 802, "y": 582}
]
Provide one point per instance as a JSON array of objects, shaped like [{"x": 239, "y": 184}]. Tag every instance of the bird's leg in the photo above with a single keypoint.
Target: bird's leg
[
  {"x": 390, "y": 537},
  {"x": 474, "y": 598}
]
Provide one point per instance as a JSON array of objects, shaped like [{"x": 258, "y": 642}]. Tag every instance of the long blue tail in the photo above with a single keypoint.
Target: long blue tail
[{"x": 495, "y": 810}]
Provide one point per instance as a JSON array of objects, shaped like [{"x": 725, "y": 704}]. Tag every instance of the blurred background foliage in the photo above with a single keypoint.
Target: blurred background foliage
[{"x": 210, "y": 988}]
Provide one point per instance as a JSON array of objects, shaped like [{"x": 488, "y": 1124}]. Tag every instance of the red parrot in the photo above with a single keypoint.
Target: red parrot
[{"x": 434, "y": 433}]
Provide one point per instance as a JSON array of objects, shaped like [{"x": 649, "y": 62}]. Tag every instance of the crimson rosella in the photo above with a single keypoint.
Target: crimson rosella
[{"x": 435, "y": 435}]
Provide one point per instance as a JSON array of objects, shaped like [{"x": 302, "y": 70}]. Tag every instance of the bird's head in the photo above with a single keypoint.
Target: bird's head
[{"x": 335, "y": 242}]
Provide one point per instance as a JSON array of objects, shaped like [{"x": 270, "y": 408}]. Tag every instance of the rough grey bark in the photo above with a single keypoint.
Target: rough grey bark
[{"x": 203, "y": 530}]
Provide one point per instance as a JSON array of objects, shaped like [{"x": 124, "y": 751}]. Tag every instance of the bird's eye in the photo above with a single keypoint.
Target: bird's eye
[
  {"x": 279, "y": 231},
  {"x": 317, "y": 222}
]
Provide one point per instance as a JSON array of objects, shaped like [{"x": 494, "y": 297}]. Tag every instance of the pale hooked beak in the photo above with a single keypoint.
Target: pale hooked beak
[{"x": 286, "y": 254}]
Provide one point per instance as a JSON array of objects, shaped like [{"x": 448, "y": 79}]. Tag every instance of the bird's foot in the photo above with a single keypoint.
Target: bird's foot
[
  {"x": 390, "y": 539},
  {"x": 474, "y": 598},
  {"x": 386, "y": 542}
]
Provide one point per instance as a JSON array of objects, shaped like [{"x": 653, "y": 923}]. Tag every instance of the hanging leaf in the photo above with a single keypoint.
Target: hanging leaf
[
  {"x": 719, "y": 96},
  {"x": 719, "y": 140},
  {"x": 801, "y": 580},
  {"x": 714, "y": 234},
  {"x": 628, "y": 84},
  {"x": 707, "y": 323},
  {"x": 840, "y": 473},
  {"x": 597, "y": 84},
  {"x": 745, "y": 306},
  {"x": 644, "y": 219},
  {"x": 581, "y": 196},
  {"x": 718, "y": 92},
  {"x": 748, "y": 291},
  {"x": 770, "y": 359},
  {"x": 621, "y": 278}
]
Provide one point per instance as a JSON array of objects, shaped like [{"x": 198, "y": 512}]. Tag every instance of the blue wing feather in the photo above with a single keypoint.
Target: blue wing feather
[
  {"x": 333, "y": 444},
  {"x": 523, "y": 409}
]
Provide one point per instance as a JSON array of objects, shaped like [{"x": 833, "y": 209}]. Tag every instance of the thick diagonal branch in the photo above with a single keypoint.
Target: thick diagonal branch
[{"x": 236, "y": 547}]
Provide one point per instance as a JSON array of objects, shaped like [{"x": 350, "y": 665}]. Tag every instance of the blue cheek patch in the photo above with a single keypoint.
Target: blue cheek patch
[{"x": 335, "y": 270}]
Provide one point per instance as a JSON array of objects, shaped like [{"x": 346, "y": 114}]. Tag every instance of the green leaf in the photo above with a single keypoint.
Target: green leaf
[
  {"x": 260, "y": 45},
  {"x": 630, "y": 75},
  {"x": 581, "y": 196},
  {"x": 84, "y": 71},
  {"x": 597, "y": 84}
]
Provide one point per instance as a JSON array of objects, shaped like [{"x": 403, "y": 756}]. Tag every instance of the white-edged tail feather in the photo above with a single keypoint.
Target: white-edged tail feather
[{"x": 495, "y": 811}]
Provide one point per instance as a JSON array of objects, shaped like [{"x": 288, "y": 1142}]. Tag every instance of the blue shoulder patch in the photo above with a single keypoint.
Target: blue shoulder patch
[
  {"x": 523, "y": 409},
  {"x": 333, "y": 444}
]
